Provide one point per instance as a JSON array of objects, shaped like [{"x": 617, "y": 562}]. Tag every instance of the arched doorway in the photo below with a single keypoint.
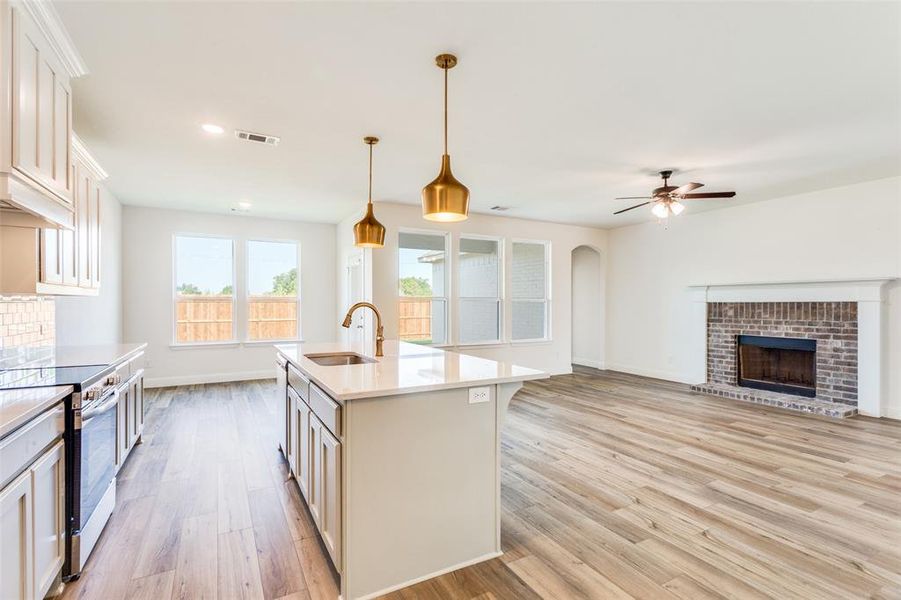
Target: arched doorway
[{"x": 587, "y": 308}]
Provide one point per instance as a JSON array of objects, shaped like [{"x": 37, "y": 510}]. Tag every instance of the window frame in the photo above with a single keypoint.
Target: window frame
[
  {"x": 246, "y": 309},
  {"x": 173, "y": 319},
  {"x": 547, "y": 291},
  {"x": 448, "y": 279},
  {"x": 501, "y": 289}
]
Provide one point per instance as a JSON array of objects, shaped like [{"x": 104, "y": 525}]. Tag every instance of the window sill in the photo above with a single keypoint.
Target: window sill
[
  {"x": 199, "y": 345},
  {"x": 232, "y": 344},
  {"x": 535, "y": 342},
  {"x": 494, "y": 344},
  {"x": 252, "y": 343}
]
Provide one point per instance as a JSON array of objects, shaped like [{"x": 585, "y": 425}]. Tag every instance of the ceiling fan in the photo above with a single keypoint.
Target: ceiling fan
[{"x": 666, "y": 198}]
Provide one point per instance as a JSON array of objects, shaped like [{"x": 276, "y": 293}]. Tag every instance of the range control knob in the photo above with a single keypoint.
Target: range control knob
[{"x": 91, "y": 395}]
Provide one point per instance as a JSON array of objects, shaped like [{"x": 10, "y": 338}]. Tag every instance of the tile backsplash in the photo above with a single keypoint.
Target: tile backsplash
[{"x": 27, "y": 325}]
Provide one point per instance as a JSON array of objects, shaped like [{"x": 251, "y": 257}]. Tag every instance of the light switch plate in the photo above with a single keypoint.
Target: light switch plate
[{"x": 478, "y": 395}]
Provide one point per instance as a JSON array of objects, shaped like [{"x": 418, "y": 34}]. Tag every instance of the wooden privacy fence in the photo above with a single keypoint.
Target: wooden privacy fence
[
  {"x": 210, "y": 318},
  {"x": 414, "y": 318}
]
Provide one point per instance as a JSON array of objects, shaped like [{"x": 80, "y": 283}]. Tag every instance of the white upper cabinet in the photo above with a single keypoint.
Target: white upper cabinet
[
  {"x": 37, "y": 63},
  {"x": 59, "y": 261}
]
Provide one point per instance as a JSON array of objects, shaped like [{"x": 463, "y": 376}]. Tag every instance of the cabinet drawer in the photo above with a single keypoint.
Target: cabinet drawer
[
  {"x": 299, "y": 382},
  {"x": 328, "y": 411},
  {"x": 22, "y": 446}
]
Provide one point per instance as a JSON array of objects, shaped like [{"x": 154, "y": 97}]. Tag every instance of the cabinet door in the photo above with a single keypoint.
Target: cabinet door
[
  {"x": 313, "y": 496},
  {"x": 68, "y": 241},
  {"x": 16, "y": 539},
  {"x": 82, "y": 226},
  {"x": 122, "y": 430},
  {"x": 302, "y": 444},
  {"x": 281, "y": 401},
  {"x": 330, "y": 493},
  {"x": 292, "y": 431},
  {"x": 42, "y": 110},
  {"x": 51, "y": 256},
  {"x": 137, "y": 408},
  {"x": 48, "y": 515},
  {"x": 94, "y": 223}
]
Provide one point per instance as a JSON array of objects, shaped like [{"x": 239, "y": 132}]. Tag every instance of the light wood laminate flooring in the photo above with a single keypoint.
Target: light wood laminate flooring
[{"x": 613, "y": 486}]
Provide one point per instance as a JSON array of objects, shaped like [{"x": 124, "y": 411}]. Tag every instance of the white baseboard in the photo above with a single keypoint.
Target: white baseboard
[
  {"x": 587, "y": 362},
  {"x": 654, "y": 373},
  {"x": 157, "y": 382}
]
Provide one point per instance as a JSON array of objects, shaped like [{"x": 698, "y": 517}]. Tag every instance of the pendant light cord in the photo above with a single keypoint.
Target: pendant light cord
[
  {"x": 370, "y": 173},
  {"x": 445, "y": 108}
]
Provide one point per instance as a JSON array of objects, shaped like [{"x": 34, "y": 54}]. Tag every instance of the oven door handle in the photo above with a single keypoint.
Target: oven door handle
[{"x": 100, "y": 409}]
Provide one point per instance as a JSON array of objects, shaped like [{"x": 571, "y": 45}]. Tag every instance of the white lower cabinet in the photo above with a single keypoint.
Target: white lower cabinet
[
  {"x": 313, "y": 451},
  {"x": 129, "y": 417},
  {"x": 302, "y": 474},
  {"x": 32, "y": 528},
  {"x": 123, "y": 437},
  {"x": 16, "y": 539},
  {"x": 291, "y": 450},
  {"x": 327, "y": 474},
  {"x": 48, "y": 476}
]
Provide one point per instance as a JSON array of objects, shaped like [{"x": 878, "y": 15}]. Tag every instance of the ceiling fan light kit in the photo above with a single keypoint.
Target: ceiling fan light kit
[
  {"x": 666, "y": 198},
  {"x": 445, "y": 199}
]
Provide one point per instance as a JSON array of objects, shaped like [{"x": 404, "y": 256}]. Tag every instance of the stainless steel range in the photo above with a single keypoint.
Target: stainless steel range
[{"x": 90, "y": 442}]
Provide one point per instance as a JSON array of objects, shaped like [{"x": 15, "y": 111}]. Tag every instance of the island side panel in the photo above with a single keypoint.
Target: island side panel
[{"x": 421, "y": 488}]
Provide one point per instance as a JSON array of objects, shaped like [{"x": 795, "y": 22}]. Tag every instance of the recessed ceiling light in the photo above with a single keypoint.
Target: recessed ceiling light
[
  {"x": 210, "y": 128},
  {"x": 244, "y": 204}
]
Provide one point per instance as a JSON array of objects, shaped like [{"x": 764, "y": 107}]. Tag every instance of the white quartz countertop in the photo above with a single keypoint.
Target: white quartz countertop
[
  {"x": 17, "y": 407},
  {"x": 405, "y": 368}
]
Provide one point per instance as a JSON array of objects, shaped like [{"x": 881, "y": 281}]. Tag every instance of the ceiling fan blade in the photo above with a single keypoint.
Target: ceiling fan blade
[
  {"x": 631, "y": 207},
  {"x": 684, "y": 189},
  {"x": 707, "y": 195},
  {"x": 632, "y": 198}
]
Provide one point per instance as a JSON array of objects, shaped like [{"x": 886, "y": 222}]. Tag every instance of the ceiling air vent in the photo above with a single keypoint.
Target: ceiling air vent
[
  {"x": 260, "y": 138},
  {"x": 500, "y": 208}
]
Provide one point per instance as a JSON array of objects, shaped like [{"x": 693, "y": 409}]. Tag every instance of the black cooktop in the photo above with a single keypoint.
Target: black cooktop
[{"x": 33, "y": 377}]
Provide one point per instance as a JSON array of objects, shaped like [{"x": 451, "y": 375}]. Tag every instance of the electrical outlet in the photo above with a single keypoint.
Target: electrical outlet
[{"x": 479, "y": 395}]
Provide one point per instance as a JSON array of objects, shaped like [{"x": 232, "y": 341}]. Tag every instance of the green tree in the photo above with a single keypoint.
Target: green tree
[
  {"x": 285, "y": 284},
  {"x": 227, "y": 290},
  {"x": 188, "y": 289},
  {"x": 415, "y": 286}
]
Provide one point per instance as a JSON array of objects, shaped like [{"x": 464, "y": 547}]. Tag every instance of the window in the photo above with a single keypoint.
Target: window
[
  {"x": 479, "y": 265},
  {"x": 272, "y": 298},
  {"x": 529, "y": 291},
  {"x": 422, "y": 287},
  {"x": 204, "y": 290}
]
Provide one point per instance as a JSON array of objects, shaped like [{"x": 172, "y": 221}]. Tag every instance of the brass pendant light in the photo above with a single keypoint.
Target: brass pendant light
[
  {"x": 445, "y": 199},
  {"x": 368, "y": 232}
]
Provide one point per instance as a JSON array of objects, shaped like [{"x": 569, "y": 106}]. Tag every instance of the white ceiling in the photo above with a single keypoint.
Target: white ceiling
[{"x": 555, "y": 108}]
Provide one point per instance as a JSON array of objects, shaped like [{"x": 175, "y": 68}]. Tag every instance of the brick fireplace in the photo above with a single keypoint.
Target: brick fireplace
[
  {"x": 831, "y": 325},
  {"x": 812, "y": 346}
]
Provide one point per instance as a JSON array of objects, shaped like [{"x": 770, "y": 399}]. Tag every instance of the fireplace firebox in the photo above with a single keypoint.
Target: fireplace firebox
[{"x": 779, "y": 364}]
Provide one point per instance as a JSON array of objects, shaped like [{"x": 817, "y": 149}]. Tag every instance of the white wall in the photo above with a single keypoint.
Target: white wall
[
  {"x": 552, "y": 356},
  {"x": 97, "y": 319},
  {"x": 588, "y": 308},
  {"x": 147, "y": 291},
  {"x": 840, "y": 233},
  {"x": 344, "y": 251}
]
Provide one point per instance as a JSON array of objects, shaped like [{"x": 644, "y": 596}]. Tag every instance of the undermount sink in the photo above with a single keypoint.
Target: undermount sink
[{"x": 339, "y": 358}]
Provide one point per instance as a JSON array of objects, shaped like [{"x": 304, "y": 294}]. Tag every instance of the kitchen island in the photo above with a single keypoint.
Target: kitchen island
[{"x": 397, "y": 457}]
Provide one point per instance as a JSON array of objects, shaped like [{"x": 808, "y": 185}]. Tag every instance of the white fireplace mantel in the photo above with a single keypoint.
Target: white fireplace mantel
[{"x": 872, "y": 369}]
